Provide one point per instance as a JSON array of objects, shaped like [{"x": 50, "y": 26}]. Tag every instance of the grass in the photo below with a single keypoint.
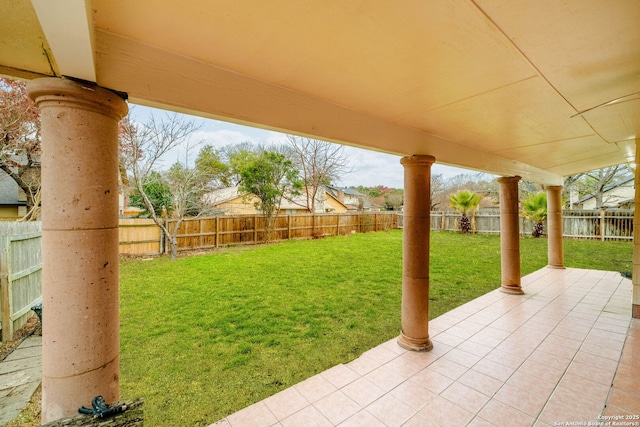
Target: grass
[{"x": 207, "y": 335}]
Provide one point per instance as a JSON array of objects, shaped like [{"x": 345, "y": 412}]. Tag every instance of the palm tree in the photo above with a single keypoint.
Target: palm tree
[
  {"x": 535, "y": 208},
  {"x": 464, "y": 201}
]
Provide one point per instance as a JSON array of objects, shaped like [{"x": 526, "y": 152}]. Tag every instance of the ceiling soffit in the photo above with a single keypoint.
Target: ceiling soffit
[
  {"x": 24, "y": 49},
  {"x": 486, "y": 84}
]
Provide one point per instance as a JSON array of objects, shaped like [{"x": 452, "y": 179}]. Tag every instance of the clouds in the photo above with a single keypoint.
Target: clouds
[{"x": 370, "y": 168}]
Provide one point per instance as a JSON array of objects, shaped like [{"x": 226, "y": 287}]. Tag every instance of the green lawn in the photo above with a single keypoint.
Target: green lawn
[{"x": 207, "y": 335}]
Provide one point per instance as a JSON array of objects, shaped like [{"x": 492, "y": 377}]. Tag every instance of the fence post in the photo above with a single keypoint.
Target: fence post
[
  {"x": 5, "y": 294},
  {"x": 337, "y": 224},
  {"x": 289, "y": 227},
  {"x": 255, "y": 229},
  {"x": 161, "y": 242},
  {"x": 217, "y": 235},
  {"x": 200, "y": 231},
  {"x": 313, "y": 225}
]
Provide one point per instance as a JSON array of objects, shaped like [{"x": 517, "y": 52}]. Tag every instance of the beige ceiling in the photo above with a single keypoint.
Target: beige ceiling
[{"x": 540, "y": 89}]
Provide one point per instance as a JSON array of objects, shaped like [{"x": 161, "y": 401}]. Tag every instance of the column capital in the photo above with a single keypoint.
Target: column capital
[
  {"x": 554, "y": 187},
  {"x": 509, "y": 179},
  {"x": 417, "y": 160},
  {"x": 60, "y": 91}
]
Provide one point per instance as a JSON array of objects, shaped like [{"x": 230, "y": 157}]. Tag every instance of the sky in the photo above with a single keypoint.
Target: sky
[{"x": 370, "y": 168}]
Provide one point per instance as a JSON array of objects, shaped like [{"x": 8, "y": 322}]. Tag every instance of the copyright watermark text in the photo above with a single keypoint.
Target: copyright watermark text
[{"x": 604, "y": 421}]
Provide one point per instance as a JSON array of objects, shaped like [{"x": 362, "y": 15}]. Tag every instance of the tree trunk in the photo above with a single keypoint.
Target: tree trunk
[
  {"x": 173, "y": 242},
  {"x": 173, "y": 239},
  {"x": 465, "y": 224},
  {"x": 268, "y": 228},
  {"x": 538, "y": 229}
]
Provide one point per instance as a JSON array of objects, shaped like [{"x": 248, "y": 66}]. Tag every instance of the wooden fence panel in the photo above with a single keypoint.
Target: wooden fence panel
[
  {"x": 139, "y": 236},
  {"x": 301, "y": 226},
  {"x": 20, "y": 273},
  {"x": 207, "y": 233},
  {"x": 618, "y": 225},
  {"x": 603, "y": 225},
  {"x": 581, "y": 224}
]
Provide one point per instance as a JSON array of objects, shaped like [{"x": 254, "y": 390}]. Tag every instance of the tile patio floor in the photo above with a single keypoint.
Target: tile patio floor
[{"x": 565, "y": 352}]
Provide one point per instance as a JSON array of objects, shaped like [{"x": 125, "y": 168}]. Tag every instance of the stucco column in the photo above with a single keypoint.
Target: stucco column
[
  {"x": 555, "y": 253},
  {"x": 415, "y": 253},
  {"x": 509, "y": 235},
  {"x": 79, "y": 244},
  {"x": 635, "y": 275}
]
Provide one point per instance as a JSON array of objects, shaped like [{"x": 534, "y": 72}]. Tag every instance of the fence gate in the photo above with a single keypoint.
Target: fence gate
[{"x": 20, "y": 274}]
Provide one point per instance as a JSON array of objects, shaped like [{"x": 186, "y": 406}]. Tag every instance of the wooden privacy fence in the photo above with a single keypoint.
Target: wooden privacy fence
[
  {"x": 140, "y": 236},
  {"x": 603, "y": 225},
  {"x": 143, "y": 237},
  {"x": 20, "y": 273},
  {"x": 580, "y": 224},
  {"x": 214, "y": 232}
]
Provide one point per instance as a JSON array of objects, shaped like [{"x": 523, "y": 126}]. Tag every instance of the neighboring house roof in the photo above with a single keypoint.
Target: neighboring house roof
[
  {"x": 615, "y": 195},
  {"x": 346, "y": 190},
  {"x": 9, "y": 191},
  {"x": 607, "y": 189},
  {"x": 352, "y": 192},
  {"x": 224, "y": 195}
]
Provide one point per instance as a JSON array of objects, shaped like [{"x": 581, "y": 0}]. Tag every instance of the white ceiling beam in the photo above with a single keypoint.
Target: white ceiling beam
[{"x": 68, "y": 27}]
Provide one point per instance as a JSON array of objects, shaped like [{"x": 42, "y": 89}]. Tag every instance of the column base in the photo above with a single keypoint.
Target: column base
[
  {"x": 512, "y": 290},
  {"x": 412, "y": 344},
  {"x": 557, "y": 267},
  {"x": 635, "y": 311}
]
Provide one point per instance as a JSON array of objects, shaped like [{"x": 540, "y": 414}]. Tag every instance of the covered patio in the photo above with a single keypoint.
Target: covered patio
[
  {"x": 566, "y": 352},
  {"x": 534, "y": 90}
]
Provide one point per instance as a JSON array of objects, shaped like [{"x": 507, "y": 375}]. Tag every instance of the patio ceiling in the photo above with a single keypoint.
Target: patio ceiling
[{"x": 541, "y": 89}]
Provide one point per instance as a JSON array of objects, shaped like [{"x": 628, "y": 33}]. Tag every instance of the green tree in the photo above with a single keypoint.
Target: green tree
[
  {"x": 535, "y": 209},
  {"x": 464, "y": 201},
  {"x": 270, "y": 176},
  {"x": 157, "y": 190},
  {"x": 211, "y": 166}
]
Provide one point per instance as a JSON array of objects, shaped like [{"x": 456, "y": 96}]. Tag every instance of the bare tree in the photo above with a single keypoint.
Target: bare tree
[
  {"x": 598, "y": 180},
  {"x": 143, "y": 146},
  {"x": 20, "y": 142},
  {"x": 480, "y": 183},
  {"x": 437, "y": 190},
  {"x": 395, "y": 199},
  {"x": 319, "y": 162}
]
